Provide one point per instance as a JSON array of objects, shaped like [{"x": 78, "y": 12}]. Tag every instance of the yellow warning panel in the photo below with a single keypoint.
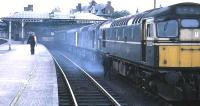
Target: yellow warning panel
[
  {"x": 195, "y": 56},
  {"x": 185, "y": 56},
  {"x": 169, "y": 56},
  {"x": 179, "y": 56}
]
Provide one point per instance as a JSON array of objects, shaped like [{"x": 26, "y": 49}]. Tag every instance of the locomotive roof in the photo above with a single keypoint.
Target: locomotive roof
[
  {"x": 73, "y": 30},
  {"x": 170, "y": 11},
  {"x": 106, "y": 24},
  {"x": 157, "y": 13},
  {"x": 90, "y": 27}
]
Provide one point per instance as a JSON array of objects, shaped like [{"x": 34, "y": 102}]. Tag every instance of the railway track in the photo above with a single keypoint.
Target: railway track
[
  {"x": 148, "y": 96},
  {"x": 65, "y": 98},
  {"x": 79, "y": 88}
]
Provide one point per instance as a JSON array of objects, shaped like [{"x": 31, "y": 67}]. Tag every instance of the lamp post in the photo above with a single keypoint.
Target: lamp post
[{"x": 154, "y": 3}]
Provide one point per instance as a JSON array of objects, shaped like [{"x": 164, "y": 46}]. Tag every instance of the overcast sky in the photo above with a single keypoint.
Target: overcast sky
[{"x": 10, "y": 6}]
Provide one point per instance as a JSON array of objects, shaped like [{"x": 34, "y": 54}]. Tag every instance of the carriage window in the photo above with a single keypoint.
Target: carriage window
[
  {"x": 167, "y": 29},
  {"x": 132, "y": 33},
  {"x": 103, "y": 38},
  {"x": 93, "y": 38},
  {"x": 120, "y": 34},
  {"x": 114, "y": 34},
  {"x": 190, "y": 23},
  {"x": 127, "y": 33}
]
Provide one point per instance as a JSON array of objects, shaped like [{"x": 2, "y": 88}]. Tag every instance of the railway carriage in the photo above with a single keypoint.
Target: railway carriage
[{"x": 84, "y": 41}]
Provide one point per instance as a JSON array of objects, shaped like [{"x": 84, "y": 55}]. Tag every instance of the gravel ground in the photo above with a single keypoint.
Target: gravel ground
[{"x": 132, "y": 95}]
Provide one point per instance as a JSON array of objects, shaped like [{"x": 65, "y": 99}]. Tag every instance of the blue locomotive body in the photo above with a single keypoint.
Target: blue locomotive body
[{"x": 157, "y": 47}]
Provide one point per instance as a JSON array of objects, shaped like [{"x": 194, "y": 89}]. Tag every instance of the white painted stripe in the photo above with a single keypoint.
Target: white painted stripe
[
  {"x": 114, "y": 41},
  {"x": 139, "y": 43}
]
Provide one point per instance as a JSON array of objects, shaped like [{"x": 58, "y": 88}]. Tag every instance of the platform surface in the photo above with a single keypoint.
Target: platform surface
[{"x": 25, "y": 79}]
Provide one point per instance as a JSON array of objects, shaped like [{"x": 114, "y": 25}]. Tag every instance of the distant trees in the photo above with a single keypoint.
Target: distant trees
[{"x": 118, "y": 14}]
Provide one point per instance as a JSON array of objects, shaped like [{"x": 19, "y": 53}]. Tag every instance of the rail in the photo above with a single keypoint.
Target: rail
[
  {"x": 94, "y": 81},
  {"x": 71, "y": 91}
]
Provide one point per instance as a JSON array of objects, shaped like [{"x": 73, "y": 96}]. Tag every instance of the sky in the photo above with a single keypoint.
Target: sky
[{"x": 10, "y": 6}]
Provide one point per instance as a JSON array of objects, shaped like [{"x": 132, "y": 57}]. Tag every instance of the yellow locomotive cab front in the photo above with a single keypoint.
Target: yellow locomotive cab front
[{"x": 179, "y": 56}]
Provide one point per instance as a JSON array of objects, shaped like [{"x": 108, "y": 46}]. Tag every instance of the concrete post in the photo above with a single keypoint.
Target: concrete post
[{"x": 9, "y": 35}]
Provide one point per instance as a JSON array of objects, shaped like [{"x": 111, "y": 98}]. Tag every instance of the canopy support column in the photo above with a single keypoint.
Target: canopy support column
[
  {"x": 22, "y": 32},
  {"x": 9, "y": 34}
]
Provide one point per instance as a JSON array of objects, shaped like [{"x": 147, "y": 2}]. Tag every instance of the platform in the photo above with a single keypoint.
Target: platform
[{"x": 25, "y": 79}]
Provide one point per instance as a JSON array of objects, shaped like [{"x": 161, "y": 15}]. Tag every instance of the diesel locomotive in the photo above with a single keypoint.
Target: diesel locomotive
[{"x": 158, "y": 49}]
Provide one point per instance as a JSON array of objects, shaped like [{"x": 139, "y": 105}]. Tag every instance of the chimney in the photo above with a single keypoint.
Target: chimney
[
  {"x": 78, "y": 8},
  {"x": 25, "y": 8},
  {"x": 30, "y": 7}
]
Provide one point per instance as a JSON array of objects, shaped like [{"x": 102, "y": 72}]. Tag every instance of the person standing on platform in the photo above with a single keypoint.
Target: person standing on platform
[
  {"x": 32, "y": 40},
  {"x": 107, "y": 65}
]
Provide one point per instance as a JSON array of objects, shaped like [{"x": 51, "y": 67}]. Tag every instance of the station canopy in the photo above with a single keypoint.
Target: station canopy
[{"x": 54, "y": 15}]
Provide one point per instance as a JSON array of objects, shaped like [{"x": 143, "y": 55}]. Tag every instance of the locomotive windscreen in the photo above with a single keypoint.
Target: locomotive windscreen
[{"x": 188, "y": 10}]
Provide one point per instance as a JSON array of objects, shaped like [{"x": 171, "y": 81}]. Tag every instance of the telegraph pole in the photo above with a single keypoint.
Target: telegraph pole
[{"x": 154, "y": 3}]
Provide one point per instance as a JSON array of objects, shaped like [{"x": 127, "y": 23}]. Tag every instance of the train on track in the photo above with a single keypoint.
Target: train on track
[{"x": 158, "y": 49}]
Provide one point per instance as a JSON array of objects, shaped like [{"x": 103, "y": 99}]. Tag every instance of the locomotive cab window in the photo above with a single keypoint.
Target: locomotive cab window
[
  {"x": 189, "y": 23},
  {"x": 167, "y": 29}
]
